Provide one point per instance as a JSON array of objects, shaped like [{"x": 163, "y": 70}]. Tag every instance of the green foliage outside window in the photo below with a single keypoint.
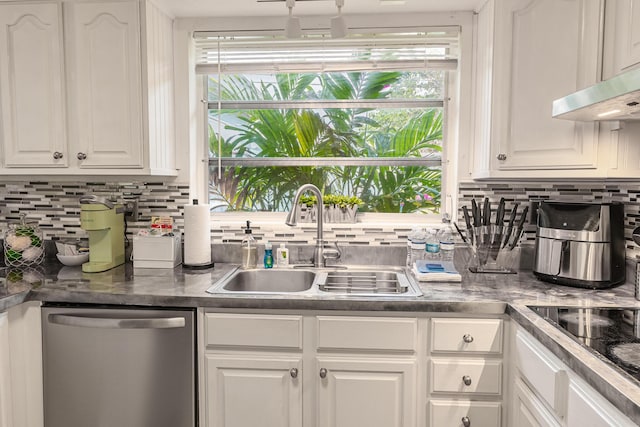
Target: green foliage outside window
[{"x": 325, "y": 132}]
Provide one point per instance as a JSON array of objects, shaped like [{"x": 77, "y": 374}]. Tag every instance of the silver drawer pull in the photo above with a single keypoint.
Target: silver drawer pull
[
  {"x": 467, "y": 338},
  {"x": 294, "y": 372},
  {"x": 57, "y": 155},
  {"x": 466, "y": 422},
  {"x": 81, "y": 156},
  {"x": 323, "y": 373},
  {"x": 466, "y": 380}
]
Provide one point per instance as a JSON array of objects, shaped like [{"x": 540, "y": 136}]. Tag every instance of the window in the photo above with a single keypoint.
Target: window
[{"x": 361, "y": 116}]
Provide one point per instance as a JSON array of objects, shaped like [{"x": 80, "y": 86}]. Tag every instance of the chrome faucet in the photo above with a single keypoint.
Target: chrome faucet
[{"x": 318, "y": 259}]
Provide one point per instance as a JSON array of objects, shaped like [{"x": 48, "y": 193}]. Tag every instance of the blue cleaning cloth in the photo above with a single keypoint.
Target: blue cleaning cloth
[{"x": 424, "y": 266}]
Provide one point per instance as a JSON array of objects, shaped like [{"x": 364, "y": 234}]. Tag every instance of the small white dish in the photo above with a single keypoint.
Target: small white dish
[{"x": 73, "y": 260}]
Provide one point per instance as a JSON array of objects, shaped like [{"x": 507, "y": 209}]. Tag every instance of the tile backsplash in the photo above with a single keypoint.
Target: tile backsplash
[{"x": 55, "y": 206}]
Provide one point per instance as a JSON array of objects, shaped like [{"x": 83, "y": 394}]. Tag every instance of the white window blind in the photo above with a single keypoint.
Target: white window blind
[{"x": 432, "y": 48}]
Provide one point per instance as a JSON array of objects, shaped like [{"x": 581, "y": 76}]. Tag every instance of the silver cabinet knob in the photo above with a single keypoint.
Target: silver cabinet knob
[
  {"x": 466, "y": 380},
  {"x": 501, "y": 156},
  {"x": 466, "y": 422},
  {"x": 57, "y": 155},
  {"x": 81, "y": 156},
  {"x": 294, "y": 372},
  {"x": 467, "y": 338},
  {"x": 323, "y": 373}
]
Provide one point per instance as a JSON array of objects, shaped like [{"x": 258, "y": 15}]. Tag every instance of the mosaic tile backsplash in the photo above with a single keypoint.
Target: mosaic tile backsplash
[{"x": 55, "y": 206}]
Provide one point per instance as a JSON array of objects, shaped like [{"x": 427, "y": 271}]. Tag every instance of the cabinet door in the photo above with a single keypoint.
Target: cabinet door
[
  {"x": 544, "y": 49},
  {"x": 5, "y": 373},
  {"x": 25, "y": 356},
  {"x": 588, "y": 408},
  {"x": 621, "y": 50},
  {"x": 31, "y": 86},
  {"x": 246, "y": 391},
  {"x": 360, "y": 392},
  {"x": 528, "y": 410},
  {"x": 105, "y": 84}
]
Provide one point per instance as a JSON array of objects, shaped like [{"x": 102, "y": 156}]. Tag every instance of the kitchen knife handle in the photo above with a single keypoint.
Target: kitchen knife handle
[
  {"x": 514, "y": 213},
  {"x": 467, "y": 218},
  {"x": 523, "y": 218},
  {"x": 500, "y": 212},
  {"x": 486, "y": 214},
  {"x": 512, "y": 220},
  {"x": 477, "y": 215},
  {"x": 519, "y": 228}
]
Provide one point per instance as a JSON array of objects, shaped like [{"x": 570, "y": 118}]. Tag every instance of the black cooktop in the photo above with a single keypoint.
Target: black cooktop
[{"x": 610, "y": 332}]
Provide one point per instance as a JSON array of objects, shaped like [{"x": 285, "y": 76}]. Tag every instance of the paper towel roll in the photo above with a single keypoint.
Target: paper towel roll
[{"x": 197, "y": 235}]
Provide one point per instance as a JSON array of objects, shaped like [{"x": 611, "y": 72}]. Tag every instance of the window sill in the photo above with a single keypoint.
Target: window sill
[{"x": 365, "y": 220}]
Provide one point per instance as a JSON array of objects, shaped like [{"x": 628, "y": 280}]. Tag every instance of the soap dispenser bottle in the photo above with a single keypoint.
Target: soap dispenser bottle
[
  {"x": 268, "y": 255},
  {"x": 282, "y": 256},
  {"x": 249, "y": 249}
]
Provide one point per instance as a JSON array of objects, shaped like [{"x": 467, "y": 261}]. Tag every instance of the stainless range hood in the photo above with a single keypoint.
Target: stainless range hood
[{"x": 617, "y": 98}]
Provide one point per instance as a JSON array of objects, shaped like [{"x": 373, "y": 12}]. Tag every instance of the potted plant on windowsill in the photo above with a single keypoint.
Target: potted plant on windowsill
[{"x": 336, "y": 208}]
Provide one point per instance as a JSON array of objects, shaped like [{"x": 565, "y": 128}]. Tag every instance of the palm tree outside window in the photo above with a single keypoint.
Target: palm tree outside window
[{"x": 361, "y": 116}]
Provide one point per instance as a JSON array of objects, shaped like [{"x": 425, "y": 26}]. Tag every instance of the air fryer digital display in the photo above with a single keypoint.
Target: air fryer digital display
[{"x": 565, "y": 216}]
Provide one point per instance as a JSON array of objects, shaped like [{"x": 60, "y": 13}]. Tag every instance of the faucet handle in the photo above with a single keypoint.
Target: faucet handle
[{"x": 332, "y": 252}]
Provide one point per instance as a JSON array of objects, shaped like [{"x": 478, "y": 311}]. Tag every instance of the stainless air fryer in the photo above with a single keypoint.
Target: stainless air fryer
[{"x": 580, "y": 244}]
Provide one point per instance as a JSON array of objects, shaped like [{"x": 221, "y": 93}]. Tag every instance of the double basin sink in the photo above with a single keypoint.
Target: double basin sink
[{"x": 350, "y": 281}]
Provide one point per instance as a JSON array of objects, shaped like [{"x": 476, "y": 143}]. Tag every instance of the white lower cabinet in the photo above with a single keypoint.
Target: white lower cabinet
[
  {"x": 21, "y": 366},
  {"x": 286, "y": 370},
  {"x": 366, "y": 392},
  {"x": 549, "y": 393},
  {"x": 528, "y": 409},
  {"x": 465, "y": 375},
  {"x": 254, "y": 391},
  {"x": 5, "y": 373}
]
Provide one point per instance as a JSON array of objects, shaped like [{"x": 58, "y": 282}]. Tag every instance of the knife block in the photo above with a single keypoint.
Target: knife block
[{"x": 493, "y": 251}]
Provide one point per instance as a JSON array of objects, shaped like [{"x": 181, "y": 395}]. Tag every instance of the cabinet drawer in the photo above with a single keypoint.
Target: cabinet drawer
[
  {"x": 466, "y": 335},
  {"x": 543, "y": 371},
  {"x": 451, "y": 413},
  {"x": 367, "y": 333},
  {"x": 253, "y": 330},
  {"x": 449, "y": 375}
]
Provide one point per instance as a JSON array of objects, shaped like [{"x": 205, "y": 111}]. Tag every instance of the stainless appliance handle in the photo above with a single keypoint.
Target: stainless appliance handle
[
  {"x": 111, "y": 323},
  {"x": 557, "y": 257}
]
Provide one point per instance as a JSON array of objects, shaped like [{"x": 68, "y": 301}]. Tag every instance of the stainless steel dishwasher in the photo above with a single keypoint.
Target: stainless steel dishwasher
[{"x": 106, "y": 367}]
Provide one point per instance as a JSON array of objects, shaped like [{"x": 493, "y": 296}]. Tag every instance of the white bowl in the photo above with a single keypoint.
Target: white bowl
[{"x": 73, "y": 260}]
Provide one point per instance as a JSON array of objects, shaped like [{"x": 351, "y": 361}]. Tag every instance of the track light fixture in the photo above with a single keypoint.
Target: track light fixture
[
  {"x": 338, "y": 24},
  {"x": 292, "y": 28}
]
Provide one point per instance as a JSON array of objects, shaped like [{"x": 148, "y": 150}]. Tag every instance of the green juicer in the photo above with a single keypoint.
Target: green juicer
[{"x": 104, "y": 222}]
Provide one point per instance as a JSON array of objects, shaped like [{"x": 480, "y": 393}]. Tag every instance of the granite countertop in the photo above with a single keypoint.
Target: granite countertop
[{"x": 481, "y": 294}]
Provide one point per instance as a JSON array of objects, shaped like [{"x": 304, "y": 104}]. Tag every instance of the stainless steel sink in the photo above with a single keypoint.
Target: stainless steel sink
[
  {"x": 345, "y": 281},
  {"x": 367, "y": 282},
  {"x": 265, "y": 281}
]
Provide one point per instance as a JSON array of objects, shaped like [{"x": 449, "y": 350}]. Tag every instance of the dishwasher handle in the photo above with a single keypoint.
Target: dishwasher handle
[{"x": 114, "y": 323}]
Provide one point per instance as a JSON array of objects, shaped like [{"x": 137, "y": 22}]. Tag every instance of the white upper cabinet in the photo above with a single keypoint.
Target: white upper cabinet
[
  {"x": 621, "y": 51},
  {"x": 531, "y": 52},
  {"x": 111, "y": 112},
  {"x": 105, "y": 84},
  {"x": 32, "y": 86}
]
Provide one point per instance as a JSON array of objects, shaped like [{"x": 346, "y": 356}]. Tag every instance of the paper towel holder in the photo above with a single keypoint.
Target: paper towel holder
[{"x": 195, "y": 266}]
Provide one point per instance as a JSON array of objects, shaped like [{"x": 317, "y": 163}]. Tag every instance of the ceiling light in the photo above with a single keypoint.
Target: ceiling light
[
  {"x": 338, "y": 24},
  {"x": 292, "y": 28},
  {"x": 608, "y": 113}
]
